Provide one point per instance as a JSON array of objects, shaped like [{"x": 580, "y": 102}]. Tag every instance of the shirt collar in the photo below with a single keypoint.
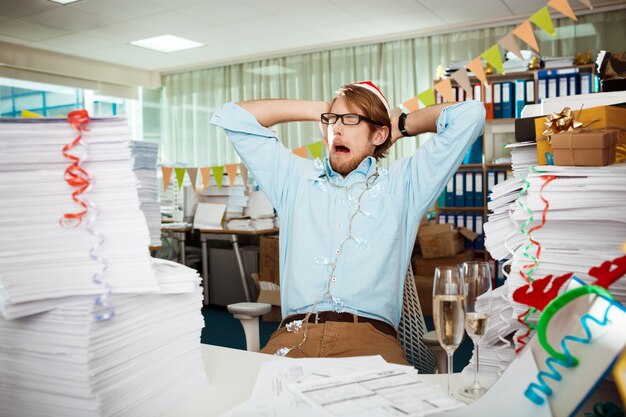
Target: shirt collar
[{"x": 364, "y": 170}]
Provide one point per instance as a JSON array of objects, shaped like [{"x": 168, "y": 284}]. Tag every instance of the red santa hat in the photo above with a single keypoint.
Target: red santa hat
[{"x": 370, "y": 86}]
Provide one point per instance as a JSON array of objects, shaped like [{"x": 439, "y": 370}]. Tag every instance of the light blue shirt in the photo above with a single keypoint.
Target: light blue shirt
[{"x": 316, "y": 205}]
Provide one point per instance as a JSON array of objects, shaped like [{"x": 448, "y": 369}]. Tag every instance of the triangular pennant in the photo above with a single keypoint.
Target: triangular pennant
[
  {"x": 587, "y": 3},
  {"x": 180, "y": 176},
  {"x": 563, "y": 7},
  {"x": 492, "y": 56},
  {"x": 525, "y": 33},
  {"x": 206, "y": 174},
  {"x": 427, "y": 97},
  {"x": 27, "y": 114},
  {"x": 193, "y": 176},
  {"x": 543, "y": 20},
  {"x": 476, "y": 66},
  {"x": 231, "y": 170},
  {"x": 301, "y": 151},
  {"x": 411, "y": 104},
  {"x": 444, "y": 87},
  {"x": 510, "y": 44},
  {"x": 167, "y": 175},
  {"x": 244, "y": 173},
  {"x": 461, "y": 77},
  {"x": 315, "y": 149},
  {"x": 218, "y": 174}
]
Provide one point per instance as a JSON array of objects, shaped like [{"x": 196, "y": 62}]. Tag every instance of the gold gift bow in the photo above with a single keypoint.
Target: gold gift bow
[{"x": 561, "y": 122}]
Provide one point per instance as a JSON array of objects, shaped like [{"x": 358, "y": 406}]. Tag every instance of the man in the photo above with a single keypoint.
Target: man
[{"x": 347, "y": 226}]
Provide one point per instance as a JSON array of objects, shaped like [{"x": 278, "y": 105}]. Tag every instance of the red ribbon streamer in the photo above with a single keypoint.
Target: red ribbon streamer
[
  {"x": 521, "y": 340},
  {"x": 75, "y": 175}
]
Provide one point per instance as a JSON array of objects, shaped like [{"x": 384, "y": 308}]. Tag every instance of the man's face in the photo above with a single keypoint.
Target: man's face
[{"x": 349, "y": 144}]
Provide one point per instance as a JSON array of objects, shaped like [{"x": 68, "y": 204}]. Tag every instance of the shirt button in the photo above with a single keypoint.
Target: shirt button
[
  {"x": 341, "y": 201},
  {"x": 334, "y": 278},
  {"x": 339, "y": 225},
  {"x": 337, "y": 251}
]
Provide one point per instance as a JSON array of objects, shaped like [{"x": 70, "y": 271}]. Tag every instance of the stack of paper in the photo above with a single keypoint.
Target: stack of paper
[
  {"x": 145, "y": 166},
  {"x": 63, "y": 363},
  {"x": 523, "y": 156},
  {"x": 111, "y": 322},
  {"x": 237, "y": 200},
  {"x": 43, "y": 263}
]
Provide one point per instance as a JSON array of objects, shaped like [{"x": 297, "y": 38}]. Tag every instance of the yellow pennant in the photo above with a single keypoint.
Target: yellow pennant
[
  {"x": 218, "y": 173},
  {"x": 427, "y": 97},
  {"x": 492, "y": 55},
  {"x": 315, "y": 149},
  {"x": 167, "y": 175},
  {"x": 180, "y": 176},
  {"x": 27, "y": 114},
  {"x": 543, "y": 20}
]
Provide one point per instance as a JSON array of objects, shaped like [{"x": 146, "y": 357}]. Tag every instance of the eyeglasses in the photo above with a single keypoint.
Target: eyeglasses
[{"x": 349, "y": 119}]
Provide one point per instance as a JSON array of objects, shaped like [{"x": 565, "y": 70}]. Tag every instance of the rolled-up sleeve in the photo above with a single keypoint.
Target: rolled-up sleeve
[
  {"x": 433, "y": 164},
  {"x": 259, "y": 148}
]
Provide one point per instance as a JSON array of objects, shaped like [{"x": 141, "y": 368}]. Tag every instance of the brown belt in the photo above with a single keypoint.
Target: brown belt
[{"x": 325, "y": 316}]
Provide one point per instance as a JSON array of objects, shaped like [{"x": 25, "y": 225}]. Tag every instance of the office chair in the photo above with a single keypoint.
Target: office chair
[{"x": 420, "y": 346}]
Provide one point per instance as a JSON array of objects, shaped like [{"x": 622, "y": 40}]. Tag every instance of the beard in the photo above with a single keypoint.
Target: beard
[{"x": 343, "y": 165}]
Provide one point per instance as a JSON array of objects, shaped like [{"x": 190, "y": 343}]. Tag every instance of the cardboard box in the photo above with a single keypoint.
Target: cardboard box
[
  {"x": 269, "y": 296},
  {"x": 268, "y": 259},
  {"x": 442, "y": 240},
  {"x": 424, "y": 285},
  {"x": 590, "y": 148},
  {"x": 426, "y": 267},
  {"x": 601, "y": 117},
  {"x": 544, "y": 152}
]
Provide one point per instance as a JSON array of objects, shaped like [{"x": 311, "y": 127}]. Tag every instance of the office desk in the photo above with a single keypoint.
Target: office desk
[
  {"x": 232, "y": 236},
  {"x": 232, "y": 374},
  {"x": 180, "y": 234}
]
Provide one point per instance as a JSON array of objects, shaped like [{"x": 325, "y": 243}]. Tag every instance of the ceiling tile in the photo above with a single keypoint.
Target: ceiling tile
[
  {"x": 458, "y": 11},
  {"x": 12, "y": 39},
  {"x": 124, "y": 32},
  {"x": 524, "y": 7},
  {"x": 20, "y": 8},
  {"x": 408, "y": 22},
  {"x": 266, "y": 25},
  {"x": 120, "y": 10},
  {"x": 80, "y": 42},
  {"x": 169, "y": 22},
  {"x": 323, "y": 13},
  {"x": 275, "y": 6},
  {"x": 372, "y": 9},
  {"x": 32, "y": 31},
  {"x": 215, "y": 35},
  {"x": 223, "y": 11},
  {"x": 67, "y": 18},
  {"x": 174, "y": 5}
]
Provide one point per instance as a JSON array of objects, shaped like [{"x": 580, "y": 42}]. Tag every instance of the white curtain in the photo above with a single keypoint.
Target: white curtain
[{"x": 401, "y": 68}]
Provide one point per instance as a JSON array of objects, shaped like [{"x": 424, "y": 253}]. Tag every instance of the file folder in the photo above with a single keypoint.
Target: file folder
[
  {"x": 441, "y": 201},
  {"x": 553, "y": 88},
  {"x": 530, "y": 91},
  {"x": 470, "y": 223},
  {"x": 573, "y": 87},
  {"x": 491, "y": 181},
  {"x": 489, "y": 102},
  {"x": 563, "y": 85},
  {"x": 443, "y": 218},
  {"x": 477, "y": 92},
  {"x": 542, "y": 89},
  {"x": 460, "y": 220},
  {"x": 459, "y": 201},
  {"x": 468, "y": 192},
  {"x": 497, "y": 101},
  {"x": 585, "y": 84},
  {"x": 520, "y": 97},
  {"x": 501, "y": 177},
  {"x": 508, "y": 100},
  {"x": 478, "y": 189},
  {"x": 480, "y": 240},
  {"x": 450, "y": 193}
]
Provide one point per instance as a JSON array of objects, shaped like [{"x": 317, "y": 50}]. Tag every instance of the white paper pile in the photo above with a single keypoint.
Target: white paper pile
[
  {"x": 65, "y": 361},
  {"x": 145, "y": 166},
  {"x": 42, "y": 263}
]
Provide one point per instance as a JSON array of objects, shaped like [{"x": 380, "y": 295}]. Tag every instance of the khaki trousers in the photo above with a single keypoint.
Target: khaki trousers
[{"x": 337, "y": 340}]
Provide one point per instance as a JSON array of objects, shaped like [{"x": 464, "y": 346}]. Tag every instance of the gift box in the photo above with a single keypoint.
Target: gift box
[
  {"x": 544, "y": 152},
  {"x": 584, "y": 148}
]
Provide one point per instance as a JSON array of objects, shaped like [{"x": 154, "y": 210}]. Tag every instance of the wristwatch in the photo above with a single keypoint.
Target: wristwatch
[{"x": 401, "y": 126}]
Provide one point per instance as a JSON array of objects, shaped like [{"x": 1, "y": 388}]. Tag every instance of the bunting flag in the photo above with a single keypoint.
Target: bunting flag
[
  {"x": 587, "y": 3},
  {"x": 206, "y": 174},
  {"x": 525, "y": 33},
  {"x": 301, "y": 151},
  {"x": 231, "y": 170},
  {"x": 563, "y": 7},
  {"x": 218, "y": 174},
  {"x": 193, "y": 176},
  {"x": 180, "y": 176},
  {"x": 492, "y": 56},
  {"x": 444, "y": 87},
  {"x": 315, "y": 149},
  {"x": 167, "y": 175},
  {"x": 461, "y": 77},
  {"x": 543, "y": 20},
  {"x": 27, "y": 114},
  {"x": 411, "y": 104},
  {"x": 244, "y": 173},
  {"x": 476, "y": 66},
  {"x": 510, "y": 44},
  {"x": 427, "y": 97}
]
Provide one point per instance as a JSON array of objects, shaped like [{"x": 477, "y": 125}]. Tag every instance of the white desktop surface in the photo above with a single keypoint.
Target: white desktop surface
[{"x": 232, "y": 374}]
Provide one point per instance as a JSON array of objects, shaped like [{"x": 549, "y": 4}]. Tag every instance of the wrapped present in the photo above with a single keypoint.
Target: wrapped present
[
  {"x": 544, "y": 152},
  {"x": 584, "y": 148}
]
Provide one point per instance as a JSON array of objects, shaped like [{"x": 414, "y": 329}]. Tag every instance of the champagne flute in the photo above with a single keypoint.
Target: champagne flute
[
  {"x": 448, "y": 311},
  {"x": 478, "y": 283}
]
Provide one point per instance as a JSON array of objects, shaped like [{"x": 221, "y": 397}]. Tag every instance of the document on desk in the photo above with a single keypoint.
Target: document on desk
[
  {"x": 209, "y": 216},
  {"x": 380, "y": 393}
]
